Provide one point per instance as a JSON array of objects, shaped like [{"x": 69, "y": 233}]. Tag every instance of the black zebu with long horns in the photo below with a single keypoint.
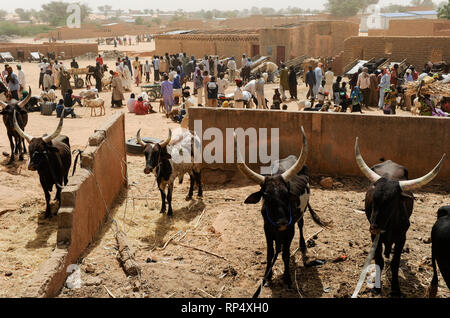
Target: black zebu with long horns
[
  {"x": 51, "y": 157},
  {"x": 440, "y": 249},
  {"x": 389, "y": 204},
  {"x": 16, "y": 142},
  {"x": 285, "y": 197},
  {"x": 159, "y": 160}
]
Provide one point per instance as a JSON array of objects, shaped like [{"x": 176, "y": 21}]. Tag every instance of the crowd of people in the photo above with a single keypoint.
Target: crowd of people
[{"x": 211, "y": 77}]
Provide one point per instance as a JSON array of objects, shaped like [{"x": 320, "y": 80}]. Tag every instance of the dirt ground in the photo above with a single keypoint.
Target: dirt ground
[{"x": 219, "y": 224}]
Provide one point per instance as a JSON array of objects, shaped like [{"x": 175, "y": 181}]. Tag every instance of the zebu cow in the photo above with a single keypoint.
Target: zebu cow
[
  {"x": 15, "y": 140},
  {"x": 388, "y": 206},
  {"x": 3, "y": 91},
  {"x": 285, "y": 197},
  {"x": 51, "y": 157},
  {"x": 440, "y": 250},
  {"x": 169, "y": 161}
]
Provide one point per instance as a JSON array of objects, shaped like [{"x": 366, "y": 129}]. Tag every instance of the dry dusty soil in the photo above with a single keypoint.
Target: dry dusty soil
[{"x": 212, "y": 247}]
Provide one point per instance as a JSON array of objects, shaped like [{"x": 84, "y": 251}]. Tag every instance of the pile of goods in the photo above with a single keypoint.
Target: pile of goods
[{"x": 430, "y": 86}]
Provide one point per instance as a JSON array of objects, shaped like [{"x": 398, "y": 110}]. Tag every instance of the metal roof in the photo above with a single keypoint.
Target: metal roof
[
  {"x": 397, "y": 15},
  {"x": 432, "y": 12}
]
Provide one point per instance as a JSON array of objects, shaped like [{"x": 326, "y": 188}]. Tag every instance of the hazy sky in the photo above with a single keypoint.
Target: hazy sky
[{"x": 188, "y": 5}]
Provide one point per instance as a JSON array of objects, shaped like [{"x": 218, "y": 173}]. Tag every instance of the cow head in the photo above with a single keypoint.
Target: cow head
[
  {"x": 154, "y": 153},
  {"x": 278, "y": 202},
  {"x": 388, "y": 195},
  {"x": 8, "y": 109},
  {"x": 39, "y": 147}
]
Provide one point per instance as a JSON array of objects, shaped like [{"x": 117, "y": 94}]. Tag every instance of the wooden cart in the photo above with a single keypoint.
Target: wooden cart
[{"x": 76, "y": 74}]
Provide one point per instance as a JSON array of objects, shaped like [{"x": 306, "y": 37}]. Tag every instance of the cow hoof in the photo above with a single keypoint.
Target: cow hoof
[
  {"x": 21, "y": 158},
  {"x": 396, "y": 294},
  {"x": 170, "y": 214},
  {"x": 188, "y": 198},
  {"x": 376, "y": 291}
]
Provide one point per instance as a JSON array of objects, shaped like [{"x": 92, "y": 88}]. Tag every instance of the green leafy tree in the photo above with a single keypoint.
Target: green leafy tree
[
  {"x": 55, "y": 12},
  {"x": 444, "y": 11},
  {"x": 139, "y": 21},
  {"x": 24, "y": 15},
  {"x": 422, "y": 3},
  {"x": 348, "y": 8},
  {"x": 157, "y": 21}
]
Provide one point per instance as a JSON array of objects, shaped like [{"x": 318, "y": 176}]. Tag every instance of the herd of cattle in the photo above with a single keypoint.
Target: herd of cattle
[{"x": 285, "y": 193}]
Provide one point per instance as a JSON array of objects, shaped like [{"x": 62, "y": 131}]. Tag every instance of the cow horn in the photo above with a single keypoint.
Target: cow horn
[
  {"x": 26, "y": 100},
  {"x": 139, "y": 139},
  {"x": 369, "y": 173},
  {"x": 292, "y": 171},
  {"x": 3, "y": 104},
  {"x": 257, "y": 178},
  {"x": 165, "y": 143},
  {"x": 19, "y": 130},
  {"x": 411, "y": 185},
  {"x": 55, "y": 133}
]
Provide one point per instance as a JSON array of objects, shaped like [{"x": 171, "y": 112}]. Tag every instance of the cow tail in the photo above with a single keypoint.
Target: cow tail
[
  {"x": 78, "y": 153},
  {"x": 433, "y": 288},
  {"x": 317, "y": 219}
]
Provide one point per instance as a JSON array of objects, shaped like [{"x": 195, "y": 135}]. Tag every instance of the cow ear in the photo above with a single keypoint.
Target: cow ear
[
  {"x": 409, "y": 196},
  {"x": 442, "y": 212},
  {"x": 253, "y": 198}
]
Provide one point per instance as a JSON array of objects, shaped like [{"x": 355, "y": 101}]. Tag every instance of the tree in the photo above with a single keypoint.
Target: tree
[
  {"x": 105, "y": 9},
  {"x": 139, "y": 21},
  {"x": 348, "y": 8},
  {"x": 444, "y": 11},
  {"x": 422, "y": 3},
  {"x": 267, "y": 11},
  {"x": 24, "y": 15},
  {"x": 55, "y": 12},
  {"x": 3, "y": 14}
]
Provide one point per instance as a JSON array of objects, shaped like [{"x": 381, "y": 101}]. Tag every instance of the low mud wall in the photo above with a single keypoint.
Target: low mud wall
[
  {"x": 68, "y": 50},
  {"x": 85, "y": 203},
  {"x": 415, "y": 142}
]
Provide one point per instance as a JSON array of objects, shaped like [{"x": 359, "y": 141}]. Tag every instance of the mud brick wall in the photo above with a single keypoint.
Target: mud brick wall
[
  {"x": 70, "y": 50},
  {"x": 419, "y": 27},
  {"x": 417, "y": 50},
  {"x": 318, "y": 38},
  {"x": 85, "y": 203},
  {"x": 225, "y": 45},
  {"x": 412, "y": 141},
  {"x": 94, "y": 31}
]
